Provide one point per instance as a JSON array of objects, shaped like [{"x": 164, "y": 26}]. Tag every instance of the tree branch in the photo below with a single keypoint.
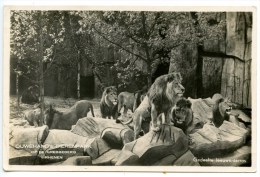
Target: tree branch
[
  {"x": 153, "y": 25},
  {"x": 118, "y": 45},
  {"x": 144, "y": 25}
]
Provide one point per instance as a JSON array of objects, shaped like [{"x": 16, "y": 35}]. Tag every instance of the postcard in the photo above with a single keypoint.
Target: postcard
[{"x": 159, "y": 89}]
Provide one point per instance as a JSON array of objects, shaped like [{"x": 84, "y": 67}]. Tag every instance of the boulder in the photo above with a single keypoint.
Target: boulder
[
  {"x": 107, "y": 158},
  {"x": 166, "y": 161},
  {"x": 117, "y": 137},
  {"x": 202, "y": 109},
  {"x": 154, "y": 146},
  {"x": 23, "y": 157},
  {"x": 240, "y": 157},
  {"x": 233, "y": 129},
  {"x": 93, "y": 127},
  {"x": 78, "y": 161},
  {"x": 187, "y": 159},
  {"x": 60, "y": 145},
  {"x": 96, "y": 147},
  {"x": 25, "y": 144},
  {"x": 29, "y": 136},
  {"x": 127, "y": 158},
  {"x": 242, "y": 125},
  {"x": 241, "y": 115},
  {"x": 211, "y": 141},
  {"x": 234, "y": 119}
]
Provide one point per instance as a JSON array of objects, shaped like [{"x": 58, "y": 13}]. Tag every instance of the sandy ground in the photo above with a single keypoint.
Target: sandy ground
[{"x": 17, "y": 117}]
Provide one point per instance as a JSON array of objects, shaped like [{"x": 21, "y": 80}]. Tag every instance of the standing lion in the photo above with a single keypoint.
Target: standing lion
[
  {"x": 64, "y": 120},
  {"x": 128, "y": 101},
  {"x": 163, "y": 95}
]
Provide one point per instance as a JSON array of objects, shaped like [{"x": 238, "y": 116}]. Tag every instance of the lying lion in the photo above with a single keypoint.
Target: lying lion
[
  {"x": 221, "y": 109},
  {"x": 183, "y": 118}
]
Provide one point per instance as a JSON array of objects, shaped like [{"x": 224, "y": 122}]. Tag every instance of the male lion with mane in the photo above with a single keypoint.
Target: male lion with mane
[
  {"x": 183, "y": 118},
  {"x": 221, "y": 110},
  {"x": 163, "y": 95},
  {"x": 108, "y": 104}
]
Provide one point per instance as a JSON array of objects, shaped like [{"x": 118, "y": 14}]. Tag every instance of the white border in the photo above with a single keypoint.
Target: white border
[{"x": 151, "y": 7}]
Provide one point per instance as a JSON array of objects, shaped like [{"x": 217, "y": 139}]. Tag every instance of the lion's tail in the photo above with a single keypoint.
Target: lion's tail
[{"x": 92, "y": 110}]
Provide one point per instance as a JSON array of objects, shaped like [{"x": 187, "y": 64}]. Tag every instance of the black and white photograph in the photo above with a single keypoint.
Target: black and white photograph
[{"x": 137, "y": 88}]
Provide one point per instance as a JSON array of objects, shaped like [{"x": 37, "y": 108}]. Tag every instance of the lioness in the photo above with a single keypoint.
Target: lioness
[
  {"x": 141, "y": 117},
  {"x": 128, "y": 101},
  {"x": 64, "y": 120},
  {"x": 34, "y": 117},
  {"x": 163, "y": 95},
  {"x": 108, "y": 104}
]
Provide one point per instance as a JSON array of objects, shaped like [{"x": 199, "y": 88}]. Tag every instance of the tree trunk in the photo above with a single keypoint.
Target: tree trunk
[
  {"x": 41, "y": 79},
  {"x": 17, "y": 92},
  {"x": 149, "y": 66},
  {"x": 199, "y": 72},
  {"x": 78, "y": 79},
  {"x": 147, "y": 50},
  {"x": 149, "y": 71}
]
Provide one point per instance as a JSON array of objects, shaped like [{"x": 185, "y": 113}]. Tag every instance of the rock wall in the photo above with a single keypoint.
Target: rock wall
[
  {"x": 236, "y": 80},
  {"x": 225, "y": 63},
  {"x": 188, "y": 55}
]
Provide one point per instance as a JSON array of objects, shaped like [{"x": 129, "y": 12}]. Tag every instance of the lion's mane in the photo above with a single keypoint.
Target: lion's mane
[
  {"x": 106, "y": 109},
  {"x": 159, "y": 93},
  {"x": 183, "y": 104},
  {"x": 218, "y": 119}
]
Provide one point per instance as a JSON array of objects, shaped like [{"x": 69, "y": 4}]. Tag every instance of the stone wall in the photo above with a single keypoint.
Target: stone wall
[
  {"x": 226, "y": 63},
  {"x": 188, "y": 55},
  {"x": 236, "y": 76}
]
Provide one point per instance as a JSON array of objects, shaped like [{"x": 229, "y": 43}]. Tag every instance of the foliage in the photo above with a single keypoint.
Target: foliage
[
  {"x": 25, "y": 41},
  {"x": 129, "y": 44},
  {"x": 149, "y": 36}
]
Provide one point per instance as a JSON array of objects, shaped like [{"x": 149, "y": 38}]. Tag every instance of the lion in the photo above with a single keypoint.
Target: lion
[
  {"x": 183, "y": 118},
  {"x": 64, "y": 120},
  {"x": 128, "y": 101},
  {"x": 108, "y": 103},
  {"x": 163, "y": 95},
  {"x": 221, "y": 110},
  {"x": 34, "y": 117},
  {"x": 30, "y": 95},
  {"x": 141, "y": 118}
]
